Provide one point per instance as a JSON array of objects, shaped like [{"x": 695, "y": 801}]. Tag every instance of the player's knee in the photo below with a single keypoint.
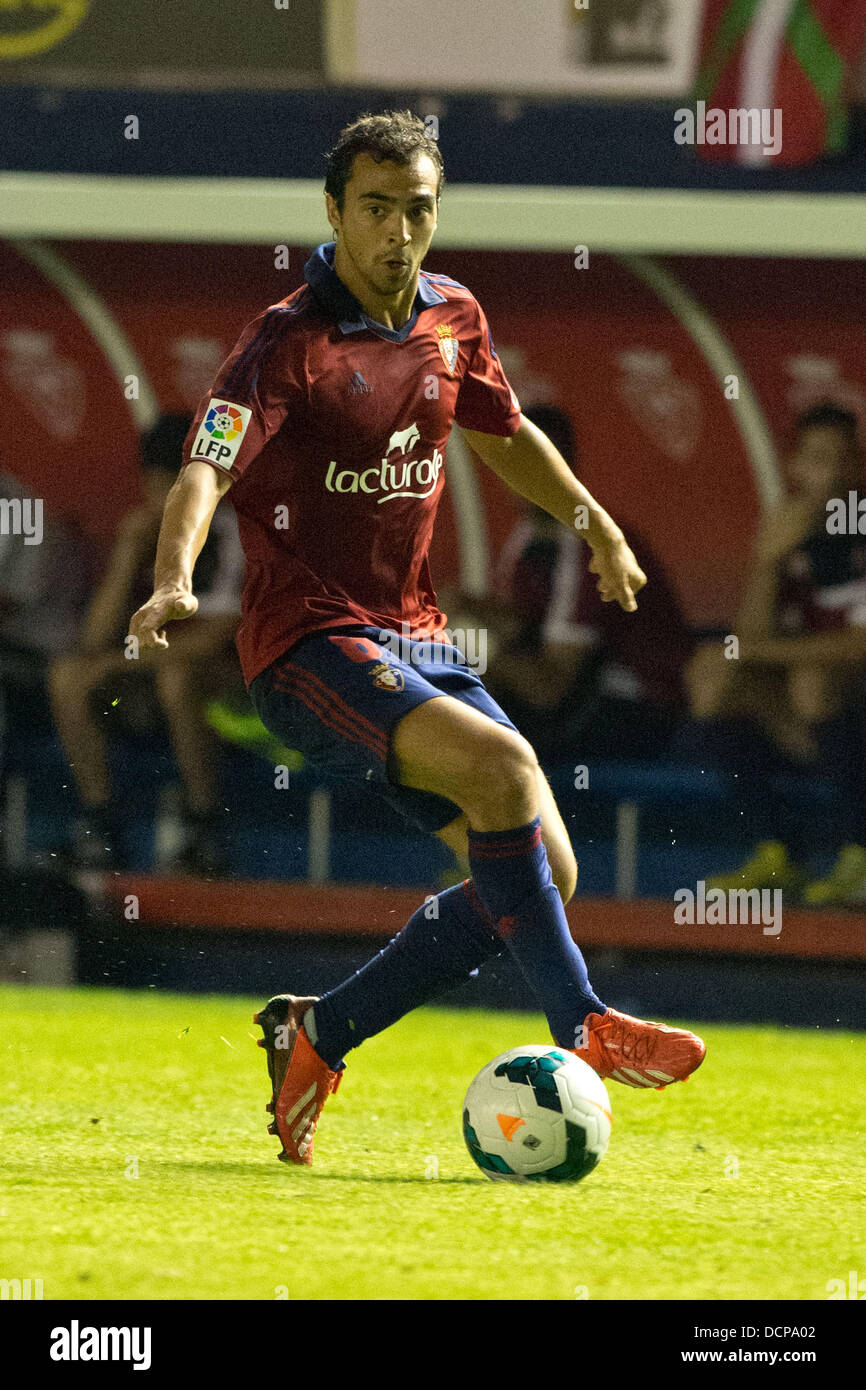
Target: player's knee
[{"x": 501, "y": 771}]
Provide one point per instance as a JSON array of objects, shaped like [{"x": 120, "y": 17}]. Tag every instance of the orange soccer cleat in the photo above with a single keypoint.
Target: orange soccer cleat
[
  {"x": 638, "y": 1053},
  {"x": 301, "y": 1082}
]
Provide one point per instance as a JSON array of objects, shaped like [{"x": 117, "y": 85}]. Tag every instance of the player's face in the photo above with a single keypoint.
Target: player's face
[
  {"x": 388, "y": 220},
  {"x": 821, "y": 463}
]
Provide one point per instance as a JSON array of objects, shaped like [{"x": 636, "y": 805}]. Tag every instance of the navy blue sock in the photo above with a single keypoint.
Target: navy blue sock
[
  {"x": 440, "y": 947},
  {"x": 513, "y": 879}
]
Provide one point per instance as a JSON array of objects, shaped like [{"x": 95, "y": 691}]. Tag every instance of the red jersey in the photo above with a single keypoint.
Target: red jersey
[{"x": 334, "y": 429}]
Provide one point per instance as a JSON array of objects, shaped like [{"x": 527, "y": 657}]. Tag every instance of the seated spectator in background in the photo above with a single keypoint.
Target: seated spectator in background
[
  {"x": 42, "y": 595},
  {"x": 183, "y": 676},
  {"x": 580, "y": 677},
  {"x": 794, "y": 697}
]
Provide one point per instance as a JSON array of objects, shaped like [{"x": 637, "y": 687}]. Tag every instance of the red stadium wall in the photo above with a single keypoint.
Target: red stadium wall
[
  {"x": 659, "y": 443},
  {"x": 348, "y": 909}
]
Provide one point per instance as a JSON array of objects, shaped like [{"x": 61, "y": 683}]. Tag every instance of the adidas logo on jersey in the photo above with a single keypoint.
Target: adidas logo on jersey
[{"x": 358, "y": 386}]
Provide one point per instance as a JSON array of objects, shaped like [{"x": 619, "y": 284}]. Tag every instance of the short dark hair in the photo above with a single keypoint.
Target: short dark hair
[
  {"x": 554, "y": 422},
  {"x": 830, "y": 415},
  {"x": 398, "y": 136},
  {"x": 161, "y": 446}
]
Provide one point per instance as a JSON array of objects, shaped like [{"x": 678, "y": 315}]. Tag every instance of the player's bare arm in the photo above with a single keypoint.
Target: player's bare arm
[
  {"x": 534, "y": 468},
  {"x": 188, "y": 513}
]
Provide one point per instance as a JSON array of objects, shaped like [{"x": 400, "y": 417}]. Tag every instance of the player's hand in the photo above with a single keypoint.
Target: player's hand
[
  {"x": 164, "y": 606},
  {"x": 620, "y": 576}
]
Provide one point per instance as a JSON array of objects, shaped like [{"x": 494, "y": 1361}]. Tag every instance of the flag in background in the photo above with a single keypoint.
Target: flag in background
[{"x": 797, "y": 56}]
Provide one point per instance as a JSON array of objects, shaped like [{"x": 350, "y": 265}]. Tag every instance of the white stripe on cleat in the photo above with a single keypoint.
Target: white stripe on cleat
[
  {"x": 639, "y": 1078},
  {"x": 300, "y": 1104},
  {"x": 304, "y": 1121}
]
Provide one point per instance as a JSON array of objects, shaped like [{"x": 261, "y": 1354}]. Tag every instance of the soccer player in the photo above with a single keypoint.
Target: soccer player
[{"x": 328, "y": 421}]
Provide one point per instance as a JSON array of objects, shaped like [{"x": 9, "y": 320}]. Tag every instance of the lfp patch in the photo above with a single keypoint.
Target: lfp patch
[{"x": 221, "y": 433}]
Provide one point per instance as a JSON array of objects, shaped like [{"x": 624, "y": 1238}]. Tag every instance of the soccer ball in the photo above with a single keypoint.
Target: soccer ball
[{"x": 537, "y": 1114}]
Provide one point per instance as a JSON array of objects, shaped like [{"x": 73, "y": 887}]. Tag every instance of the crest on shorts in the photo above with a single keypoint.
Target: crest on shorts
[
  {"x": 448, "y": 346},
  {"x": 387, "y": 677}
]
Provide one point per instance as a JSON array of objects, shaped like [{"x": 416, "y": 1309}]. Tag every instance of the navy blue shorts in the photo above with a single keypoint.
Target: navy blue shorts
[{"x": 336, "y": 696}]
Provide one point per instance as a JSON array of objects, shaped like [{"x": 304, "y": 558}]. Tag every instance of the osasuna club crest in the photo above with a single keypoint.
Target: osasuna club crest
[
  {"x": 448, "y": 346},
  {"x": 387, "y": 677}
]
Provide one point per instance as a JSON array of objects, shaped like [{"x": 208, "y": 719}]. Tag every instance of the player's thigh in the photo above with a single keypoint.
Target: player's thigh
[
  {"x": 448, "y": 747},
  {"x": 557, "y": 842}
]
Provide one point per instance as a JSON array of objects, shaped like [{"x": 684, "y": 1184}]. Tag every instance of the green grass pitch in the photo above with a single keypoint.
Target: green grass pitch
[{"x": 136, "y": 1164}]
